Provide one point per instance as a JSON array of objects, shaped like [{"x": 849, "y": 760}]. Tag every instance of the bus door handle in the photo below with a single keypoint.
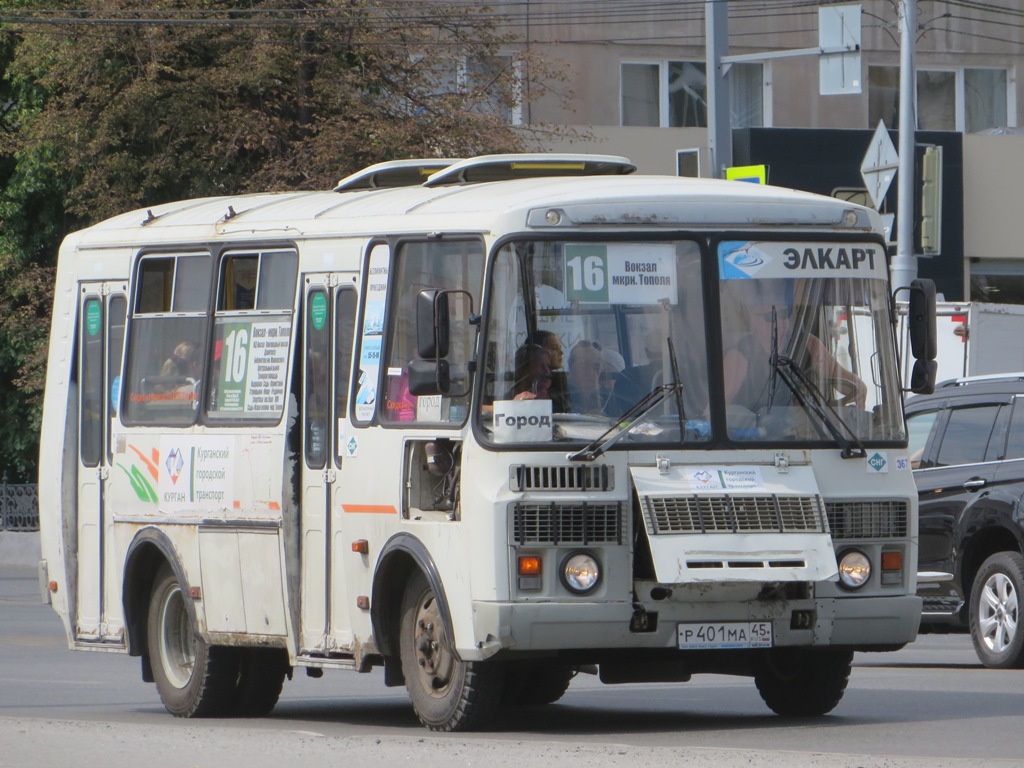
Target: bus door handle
[
  {"x": 103, "y": 472},
  {"x": 329, "y": 476},
  {"x": 975, "y": 484}
]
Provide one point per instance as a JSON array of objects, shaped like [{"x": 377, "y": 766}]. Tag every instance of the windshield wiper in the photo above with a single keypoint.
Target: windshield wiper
[
  {"x": 680, "y": 410},
  {"x": 807, "y": 392},
  {"x": 613, "y": 434},
  {"x": 815, "y": 401}
]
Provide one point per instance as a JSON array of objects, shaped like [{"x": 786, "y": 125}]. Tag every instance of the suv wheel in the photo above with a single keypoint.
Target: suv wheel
[{"x": 996, "y": 611}]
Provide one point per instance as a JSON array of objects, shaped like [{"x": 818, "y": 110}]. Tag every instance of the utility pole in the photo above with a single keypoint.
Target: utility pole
[
  {"x": 904, "y": 263},
  {"x": 716, "y": 21}
]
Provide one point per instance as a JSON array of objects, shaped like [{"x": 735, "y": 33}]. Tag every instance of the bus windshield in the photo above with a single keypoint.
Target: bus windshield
[{"x": 584, "y": 337}]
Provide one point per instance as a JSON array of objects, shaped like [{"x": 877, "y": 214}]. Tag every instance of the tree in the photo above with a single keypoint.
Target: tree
[{"x": 121, "y": 105}]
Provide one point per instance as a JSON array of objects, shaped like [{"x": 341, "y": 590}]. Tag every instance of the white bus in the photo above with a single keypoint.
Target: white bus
[{"x": 487, "y": 424}]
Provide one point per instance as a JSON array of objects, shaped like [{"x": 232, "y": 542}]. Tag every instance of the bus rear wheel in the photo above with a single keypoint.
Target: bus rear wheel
[
  {"x": 799, "y": 682},
  {"x": 447, "y": 694},
  {"x": 534, "y": 685},
  {"x": 194, "y": 679},
  {"x": 261, "y": 674}
]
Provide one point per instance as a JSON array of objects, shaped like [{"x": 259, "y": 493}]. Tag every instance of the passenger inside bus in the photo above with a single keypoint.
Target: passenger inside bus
[
  {"x": 612, "y": 366},
  {"x": 559, "y": 388},
  {"x": 585, "y": 394},
  {"x": 533, "y": 373},
  {"x": 180, "y": 373},
  {"x": 747, "y": 365},
  {"x": 637, "y": 381},
  {"x": 184, "y": 361}
]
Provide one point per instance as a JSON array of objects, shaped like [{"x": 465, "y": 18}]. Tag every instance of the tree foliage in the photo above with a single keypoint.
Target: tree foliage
[{"x": 120, "y": 105}]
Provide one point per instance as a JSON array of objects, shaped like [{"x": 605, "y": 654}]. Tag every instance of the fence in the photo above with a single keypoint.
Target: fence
[{"x": 19, "y": 507}]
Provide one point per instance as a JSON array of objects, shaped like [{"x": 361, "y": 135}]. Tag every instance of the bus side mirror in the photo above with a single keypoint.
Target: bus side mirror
[
  {"x": 922, "y": 376},
  {"x": 921, "y": 320},
  {"x": 923, "y": 337},
  {"x": 432, "y": 321},
  {"x": 429, "y": 377}
]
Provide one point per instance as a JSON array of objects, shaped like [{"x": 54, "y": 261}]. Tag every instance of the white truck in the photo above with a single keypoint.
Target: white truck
[{"x": 974, "y": 338}]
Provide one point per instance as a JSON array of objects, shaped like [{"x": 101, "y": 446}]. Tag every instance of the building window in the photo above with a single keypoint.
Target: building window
[
  {"x": 999, "y": 281},
  {"x": 496, "y": 82},
  {"x": 967, "y": 100},
  {"x": 985, "y": 104},
  {"x": 673, "y": 94}
]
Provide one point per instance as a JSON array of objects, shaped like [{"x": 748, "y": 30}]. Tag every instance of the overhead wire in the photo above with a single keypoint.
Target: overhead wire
[{"x": 585, "y": 18}]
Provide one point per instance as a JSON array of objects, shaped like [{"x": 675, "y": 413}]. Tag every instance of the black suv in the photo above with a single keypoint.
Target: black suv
[{"x": 967, "y": 453}]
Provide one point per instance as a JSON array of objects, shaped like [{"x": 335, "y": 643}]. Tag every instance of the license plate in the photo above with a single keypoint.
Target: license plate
[{"x": 730, "y": 634}]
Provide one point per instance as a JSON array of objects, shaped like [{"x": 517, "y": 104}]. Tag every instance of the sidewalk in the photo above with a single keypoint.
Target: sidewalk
[{"x": 19, "y": 549}]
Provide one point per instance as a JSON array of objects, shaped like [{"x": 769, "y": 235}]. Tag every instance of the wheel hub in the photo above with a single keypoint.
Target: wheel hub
[
  {"x": 177, "y": 644},
  {"x": 998, "y": 613},
  {"x": 436, "y": 662}
]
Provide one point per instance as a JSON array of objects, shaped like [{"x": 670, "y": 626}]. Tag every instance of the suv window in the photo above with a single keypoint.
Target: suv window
[
  {"x": 1015, "y": 444},
  {"x": 919, "y": 427},
  {"x": 967, "y": 434}
]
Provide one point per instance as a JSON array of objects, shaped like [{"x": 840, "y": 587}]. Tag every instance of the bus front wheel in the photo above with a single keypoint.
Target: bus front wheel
[
  {"x": 798, "y": 682},
  {"x": 447, "y": 694},
  {"x": 194, "y": 679}
]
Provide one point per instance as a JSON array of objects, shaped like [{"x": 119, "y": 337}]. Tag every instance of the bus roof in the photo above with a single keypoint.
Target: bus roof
[{"x": 600, "y": 202}]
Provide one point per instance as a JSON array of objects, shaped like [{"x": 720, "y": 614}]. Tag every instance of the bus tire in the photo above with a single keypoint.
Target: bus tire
[
  {"x": 261, "y": 674},
  {"x": 447, "y": 694},
  {"x": 996, "y": 611},
  {"x": 800, "y": 682},
  {"x": 535, "y": 685},
  {"x": 194, "y": 679}
]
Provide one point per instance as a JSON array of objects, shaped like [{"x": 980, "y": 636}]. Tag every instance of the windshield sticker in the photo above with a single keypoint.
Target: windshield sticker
[
  {"x": 620, "y": 274},
  {"x": 743, "y": 260},
  {"x": 522, "y": 421}
]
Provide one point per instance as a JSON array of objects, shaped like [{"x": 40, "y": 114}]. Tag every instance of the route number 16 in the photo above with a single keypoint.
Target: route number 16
[{"x": 586, "y": 273}]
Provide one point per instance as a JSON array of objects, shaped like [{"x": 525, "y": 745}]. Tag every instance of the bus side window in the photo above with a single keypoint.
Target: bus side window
[
  {"x": 167, "y": 339},
  {"x": 455, "y": 266},
  {"x": 317, "y": 369},
  {"x": 252, "y": 327},
  {"x": 344, "y": 338}
]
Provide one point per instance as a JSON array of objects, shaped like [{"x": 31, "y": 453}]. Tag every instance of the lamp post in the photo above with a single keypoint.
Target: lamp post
[{"x": 904, "y": 263}]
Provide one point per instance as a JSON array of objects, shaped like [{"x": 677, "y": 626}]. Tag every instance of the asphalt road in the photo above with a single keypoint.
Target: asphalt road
[{"x": 931, "y": 704}]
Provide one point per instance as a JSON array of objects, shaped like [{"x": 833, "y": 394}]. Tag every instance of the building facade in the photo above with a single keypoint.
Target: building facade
[{"x": 639, "y": 87}]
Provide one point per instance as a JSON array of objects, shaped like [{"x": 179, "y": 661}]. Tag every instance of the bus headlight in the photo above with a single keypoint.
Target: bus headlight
[
  {"x": 580, "y": 572},
  {"x": 854, "y": 569}
]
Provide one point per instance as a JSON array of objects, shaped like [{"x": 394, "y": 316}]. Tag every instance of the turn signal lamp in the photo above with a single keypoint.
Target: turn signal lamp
[
  {"x": 529, "y": 569},
  {"x": 529, "y": 565},
  {"x": 892, "y": 567}
]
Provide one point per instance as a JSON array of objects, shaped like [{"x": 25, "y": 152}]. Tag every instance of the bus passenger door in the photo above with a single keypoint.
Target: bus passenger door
[
  {"x": 329, "y": 317},
  {"x": 101, "y": 322}
]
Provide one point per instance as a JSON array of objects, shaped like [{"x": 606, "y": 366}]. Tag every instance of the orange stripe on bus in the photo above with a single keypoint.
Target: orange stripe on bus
[{"x": 370, "y": 509}]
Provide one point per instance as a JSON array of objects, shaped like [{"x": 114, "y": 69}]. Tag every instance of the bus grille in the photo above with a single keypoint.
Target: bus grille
[
  {"x": 734, "y": 514},
  {"x": 884, "y": 519},
  {"x": 567, "y": 523},
  {"x": 553, "y": 478}
]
